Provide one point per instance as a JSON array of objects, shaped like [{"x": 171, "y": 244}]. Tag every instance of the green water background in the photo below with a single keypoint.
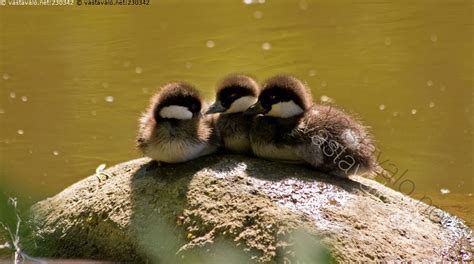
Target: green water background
[{"x": 73, "y": 80}]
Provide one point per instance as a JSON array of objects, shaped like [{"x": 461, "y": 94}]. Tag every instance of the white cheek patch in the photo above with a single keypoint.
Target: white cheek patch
[
  {"x": 176, "y": 111},
  {"x": 285, "y": 109},
  {"x": 241, "y": 104}
]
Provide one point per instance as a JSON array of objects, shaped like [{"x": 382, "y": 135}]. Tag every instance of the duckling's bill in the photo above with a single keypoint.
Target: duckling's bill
[
  {"x": 215, "y": 108},
  {"x": 256, "y": 109}
]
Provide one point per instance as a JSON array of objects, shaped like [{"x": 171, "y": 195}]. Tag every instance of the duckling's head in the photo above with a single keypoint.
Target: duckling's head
[
  {"x": 282, "y": 96},
  {"x": 176, "y": 101},
  {"x": 234, "y": 94}
]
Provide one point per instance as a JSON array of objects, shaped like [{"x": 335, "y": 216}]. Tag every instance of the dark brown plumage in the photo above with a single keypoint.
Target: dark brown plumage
[
  {"x": 321, "y": 135},
  {"x": 288, "y": 87},
  {"x": 173, "y": 129},
  {"x": 234, "y": 94},
  {"x": 238, "y": 81}
]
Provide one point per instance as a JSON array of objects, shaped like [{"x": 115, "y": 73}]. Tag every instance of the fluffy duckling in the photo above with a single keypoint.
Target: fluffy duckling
[
  {"x": 173, "y": 129},
  {"x": 234, "y": 95},
  {"x": 293, "y": 129}
]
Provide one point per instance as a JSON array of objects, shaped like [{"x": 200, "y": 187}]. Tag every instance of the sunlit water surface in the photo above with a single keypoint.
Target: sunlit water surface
[{"x": 73, "y": 80}]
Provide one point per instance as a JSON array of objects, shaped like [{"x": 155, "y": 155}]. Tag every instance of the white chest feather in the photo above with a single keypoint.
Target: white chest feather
[{"x": 177, "y": 151}]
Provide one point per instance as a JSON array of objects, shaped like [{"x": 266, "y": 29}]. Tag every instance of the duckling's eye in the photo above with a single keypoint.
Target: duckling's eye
[
  {"x": 194, "y": 107},
  {"x": 233, "y": 96},
  {"x": 273, "y": 97}
]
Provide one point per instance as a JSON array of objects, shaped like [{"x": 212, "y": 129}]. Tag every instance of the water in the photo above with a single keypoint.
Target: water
[{"x": 75, "y": 79}]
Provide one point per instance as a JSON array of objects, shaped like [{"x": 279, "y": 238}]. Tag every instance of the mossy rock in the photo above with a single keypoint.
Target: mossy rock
[{"x": 237, "y": 209}]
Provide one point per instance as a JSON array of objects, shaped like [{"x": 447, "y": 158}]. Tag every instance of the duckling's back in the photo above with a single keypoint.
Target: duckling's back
[{"x": 344, "y": 143}]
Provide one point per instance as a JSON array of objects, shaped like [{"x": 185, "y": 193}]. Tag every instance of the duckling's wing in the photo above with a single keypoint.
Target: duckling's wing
[
  {"x": 347, "y": 141},
  {"x": 310, "y": 154},
  {"x": 211, "y": 122}
]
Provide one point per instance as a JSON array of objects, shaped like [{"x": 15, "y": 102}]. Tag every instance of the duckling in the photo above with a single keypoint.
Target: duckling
[
  {"x": 234, "y": 95},
  {"x": 293, "y": 129},
  {"x": 173, "y": 130}
]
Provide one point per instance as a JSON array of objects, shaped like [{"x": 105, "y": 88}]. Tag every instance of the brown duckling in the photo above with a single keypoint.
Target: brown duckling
[
  {"x": 291, "y": 128},
  {"x": 173, "y": 129},
  {"x": 234, "y": 95}
]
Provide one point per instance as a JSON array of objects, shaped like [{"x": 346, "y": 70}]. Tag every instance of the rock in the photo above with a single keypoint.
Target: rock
[{"x": 234, "y": 209}]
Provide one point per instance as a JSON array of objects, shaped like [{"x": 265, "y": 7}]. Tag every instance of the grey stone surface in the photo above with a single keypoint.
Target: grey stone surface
[{"x": 235, "y": 209}]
